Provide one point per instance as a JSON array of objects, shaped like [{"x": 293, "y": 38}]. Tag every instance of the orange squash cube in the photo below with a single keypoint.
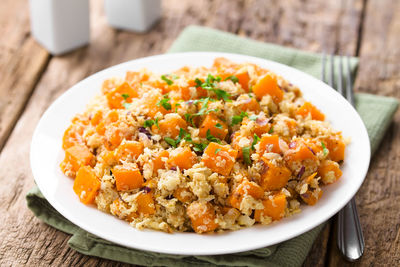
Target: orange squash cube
[
  {"x": 129, "y": 150},
  {"x": 75, "y": 157},
  {"x": 158, "y": 163},
  {"x": 86, "y": 185},
  {"x": 269, "y": 143},
  {"x": 268, "y": 85},
  {"x": 73, "y": 136},
  {"x": 122, "y": 94},
  {"x": 274, "y": 207},
  {"x": 182, "y": 157},
  {"x": 299, "y": 151},
  {"x": 245, "y": 188},
  {"x": 274, "y": 177},
  {"x": 219, "y": 158},
  {"x": 202, "y": 216},
  {"x": 183, "y": 194},
  {"x": 145, "y": 203},
  {"x": 308, "y": 108},
  {"x": 244, "y": 80},
  {"x": 217, "y": 127},
  {"x": 329, "y": 171},
  {"x": 249, "y": 104},
  {"x": 336, "y": 147},
  {"x": 127, "y": 177},
  {"x": 170, "y": 125}
]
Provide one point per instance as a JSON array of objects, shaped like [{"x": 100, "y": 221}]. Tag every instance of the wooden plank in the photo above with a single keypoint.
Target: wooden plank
[
  {"x": 378, "y": 197},
  {"x": 22, "y": 61},
  {"x": 23, "y": 238}
]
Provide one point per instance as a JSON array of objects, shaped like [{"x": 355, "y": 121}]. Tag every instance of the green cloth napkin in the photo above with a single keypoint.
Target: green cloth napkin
[{"x": 376, "y": 112}]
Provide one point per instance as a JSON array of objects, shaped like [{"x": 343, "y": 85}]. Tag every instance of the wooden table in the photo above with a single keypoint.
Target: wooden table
[{"x": 31, "y": 79}]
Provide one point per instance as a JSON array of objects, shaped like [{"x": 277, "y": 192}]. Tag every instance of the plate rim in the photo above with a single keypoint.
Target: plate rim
[{"x": 66, "y": 214}]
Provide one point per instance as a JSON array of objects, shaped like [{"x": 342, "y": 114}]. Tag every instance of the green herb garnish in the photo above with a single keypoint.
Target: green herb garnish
[
  {"x": 217, "y": 150},
  {"x": 165, "y": 102},
  {"x": 255, "y": 141},
  {"x": 212, "y": 138},
  {"x": 246, "y": 154},
  {"x": 324, "y": 149},
  {"x": 218, "y": 125},
  {"x": 165, "y": 79},
  {"x": 211, "y": 84},
  {"x": 238, "y": 118},
  {"x": 199, "y": 147},
  {"x": 233, "y": 78},
  {"x": 170, "y": 141},
  {"x": 125, "y": 96},
  {"x": 271, "y": 131},
  {"x": 149, "y": 123}
]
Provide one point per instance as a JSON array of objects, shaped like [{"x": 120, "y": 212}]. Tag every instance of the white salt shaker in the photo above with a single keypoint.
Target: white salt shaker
[
  {"x": 133, "y": 15},
  {"x": 60, "y": 25}
]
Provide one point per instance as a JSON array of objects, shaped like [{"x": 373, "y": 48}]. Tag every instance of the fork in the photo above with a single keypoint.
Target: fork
[{"x": 350, "y": 239}]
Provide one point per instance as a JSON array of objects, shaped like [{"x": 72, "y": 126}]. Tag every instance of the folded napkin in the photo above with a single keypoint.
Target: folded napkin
[{"x": 376, "y": 112}]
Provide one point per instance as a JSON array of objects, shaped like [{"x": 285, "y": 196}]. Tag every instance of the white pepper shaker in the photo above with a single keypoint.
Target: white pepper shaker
[
  {"x": 60, "y": 25},
  {"x": 133, "y": 15}
]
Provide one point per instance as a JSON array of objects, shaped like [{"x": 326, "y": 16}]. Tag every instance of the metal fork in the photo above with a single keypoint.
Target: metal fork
[{"x": 350, "y": 239}]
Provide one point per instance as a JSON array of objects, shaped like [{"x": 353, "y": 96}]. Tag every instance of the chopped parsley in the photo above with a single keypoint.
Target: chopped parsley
[
  {"x": 246, "y": 154},
  {"x": 271, "y": 131},
  {"x": 233, "y": 78},
  {"x": 183, "y": 135},
  {"x": 255, "y": 141},
  {"x": 199, "y": 147},
  {"x": 165, "y": 102},
  {"x": 125, "y": 96},
  {"x": 211, "y": 84},
  {"x": 217, "y": 150},
  {"x": 324, "y": 149},
  {"x": 238, "y": 118},
  {"x": 203, "y": 111},
  {"x": 212, "y": 138},
  {"x": 218, "y": 125},
  {"x": 165, "y": 79},
  {"x": 170, "y": 141},
  {"x": 149, "y": 123}
]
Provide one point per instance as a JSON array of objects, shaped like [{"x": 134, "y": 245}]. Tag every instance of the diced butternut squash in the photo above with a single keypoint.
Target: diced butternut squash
[
  {"x": 244, "y": 80},
  {"x": 269, "y": 143},
  {"x": 245, "y": 188},
  {"x": 274, "y": 207},
  {"x": 120, "y": 95},
  {"x": 96, "y": 118},
  {"x": 249, "y": 104},
  {"x": 217, "y": 127},
  {"x": 299, "y": 151},
  {"x": 329, "y": 171},
  {"x": 202, "y": 216},
  {"x": 145, "y": 203},
  {"x": 311, "y": 197},
  {"x": 129, "y": 150},
  {"x": 219, "y": 158},
  {"x": 75, "y": 157},
  {"x": 116, "y": 209},
  {"x": 112, "y": 137},
  {"x": 73, "y": 136},
  {"x": 170, "y": 125},
  {"x": 109, "y": 85},
  {"x": 86, "y": 185},
  {"x": 111, "y": 117},
  {"x": 308, "y": 108},
  {"x": 127, "y": 177},
  {"x": 336, "y": 147},
  {"x": 133, "y": 77},
  {"x": 238, "y": 144},
  {"x": 183, "y": 194},
  {"x": 274, "y": 177},
  {"x": 182, "y": 157},
  {"x": 158, "y": 162},
  {"x": 108, "y": 157},
  {"x": 268, "y": 85}
]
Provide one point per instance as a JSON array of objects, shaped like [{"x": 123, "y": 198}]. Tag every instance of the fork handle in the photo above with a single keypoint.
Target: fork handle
[{"x": 350, "y": 239}]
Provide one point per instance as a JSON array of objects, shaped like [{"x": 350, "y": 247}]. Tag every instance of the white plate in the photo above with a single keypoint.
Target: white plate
[{"x": 46, "y": 155}]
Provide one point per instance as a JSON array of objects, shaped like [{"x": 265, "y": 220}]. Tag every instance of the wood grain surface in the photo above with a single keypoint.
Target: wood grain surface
[{"x": 31, "y": 79}]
